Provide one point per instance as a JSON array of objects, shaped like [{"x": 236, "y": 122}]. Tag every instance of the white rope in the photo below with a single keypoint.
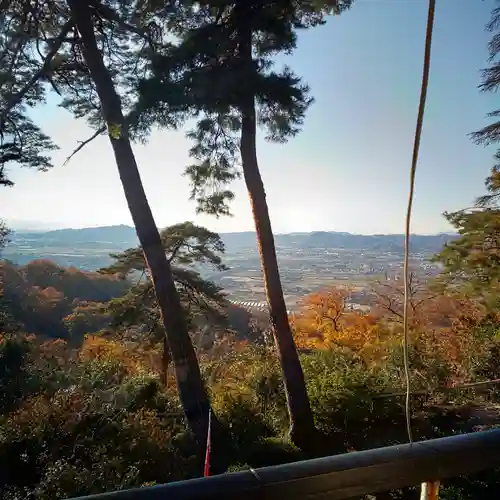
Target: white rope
[{"x": 416, "y": 147}]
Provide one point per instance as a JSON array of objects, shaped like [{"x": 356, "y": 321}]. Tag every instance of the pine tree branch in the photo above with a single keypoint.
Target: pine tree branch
[
  {"x": 110, "y": 15},
  {"x": 56, "y": 45}
]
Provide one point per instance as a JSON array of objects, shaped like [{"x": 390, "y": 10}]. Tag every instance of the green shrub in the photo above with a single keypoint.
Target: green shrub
[
  {"x": 74, "y": 427},
  {"x": 70, "y": 445},
  {"x": 14, "y": 379}
]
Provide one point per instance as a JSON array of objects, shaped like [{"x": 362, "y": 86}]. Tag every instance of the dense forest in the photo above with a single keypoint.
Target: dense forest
[
  {"x": 107, "y": 379},
  {"x": 89, "y": 401}
]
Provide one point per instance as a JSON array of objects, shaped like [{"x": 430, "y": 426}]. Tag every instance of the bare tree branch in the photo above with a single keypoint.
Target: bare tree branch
[{"x": 84, "y": 143}]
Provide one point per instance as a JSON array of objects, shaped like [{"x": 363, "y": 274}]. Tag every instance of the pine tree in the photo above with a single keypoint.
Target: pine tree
[
  {"x": 187, "y": 247},
  {"x": 4, "y": 234},
  {"x": 472, "y": 262},
  {"x": 222, "y": 73},
  {"x": 21, "y": 141},
  {"x": 89, "y": 53},
  {"x": 491, "y": 133}
]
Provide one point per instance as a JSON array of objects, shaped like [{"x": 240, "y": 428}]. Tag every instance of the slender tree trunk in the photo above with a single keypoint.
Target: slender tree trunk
[
  {"x": 302, "y": 429},
  {"x": 189, "y": 382}
]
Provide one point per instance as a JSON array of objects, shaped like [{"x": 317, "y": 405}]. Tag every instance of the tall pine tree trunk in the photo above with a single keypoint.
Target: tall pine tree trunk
[
  {"x": 302, "y": 430},
  {"x": 190, "y": 385}
]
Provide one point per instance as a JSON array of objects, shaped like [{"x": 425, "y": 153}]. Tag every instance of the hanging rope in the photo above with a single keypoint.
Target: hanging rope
[{"x": 416, "y": 147}]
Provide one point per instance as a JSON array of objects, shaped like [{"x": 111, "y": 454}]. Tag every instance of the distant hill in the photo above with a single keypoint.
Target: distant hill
[
  {"x": 90, "y": 248},
  {"x": 121, "y": 237},
  {"x": 104, "y": 234},
  {"x": 380, "y": 242},
  {"x": 332, "y": 240}
]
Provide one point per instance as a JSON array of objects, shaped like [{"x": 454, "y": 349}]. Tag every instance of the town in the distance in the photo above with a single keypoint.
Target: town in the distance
[{"x": 308, "y": 261}]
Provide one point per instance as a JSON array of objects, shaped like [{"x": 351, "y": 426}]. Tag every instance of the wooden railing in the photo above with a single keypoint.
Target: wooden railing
[{"x": 338, "y": 477}]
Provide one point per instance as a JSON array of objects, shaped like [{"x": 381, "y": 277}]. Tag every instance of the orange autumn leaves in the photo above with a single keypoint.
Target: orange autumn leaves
[
  {"x": 325, "y": 320},
  {"x": 440, "y": 326},
  {"x": 133, "y": 358},
  {"x": 44, "y": 298}
]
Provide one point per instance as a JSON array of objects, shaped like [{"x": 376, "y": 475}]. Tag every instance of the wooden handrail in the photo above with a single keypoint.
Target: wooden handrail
[{"x": 338, "y": 477}]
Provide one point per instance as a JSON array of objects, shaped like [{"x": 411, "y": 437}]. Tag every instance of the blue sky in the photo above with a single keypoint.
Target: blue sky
[{"x": 347, "y": 171}]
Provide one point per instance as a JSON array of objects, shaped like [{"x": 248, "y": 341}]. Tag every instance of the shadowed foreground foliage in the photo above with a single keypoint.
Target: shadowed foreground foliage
[{"x": 94, "y": 419}]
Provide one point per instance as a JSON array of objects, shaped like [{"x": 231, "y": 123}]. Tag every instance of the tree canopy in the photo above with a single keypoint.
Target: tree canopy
[
  {"x": 204, "y": 77},
  {"x": 472, "y": 262},
  {"x": 188, "y": 247},
  {"x": 25, "y": 35},
  {"x": 490, "y": 135}
]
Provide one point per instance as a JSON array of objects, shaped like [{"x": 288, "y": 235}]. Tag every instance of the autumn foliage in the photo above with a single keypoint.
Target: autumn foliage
[
  {"x": 133, "y": 359},
  {"x": 443, "y": 329},
  {"x": 325, "y": 321},
  {"x": 102, "y": 404},
  {"x": 41, "y": 294}
]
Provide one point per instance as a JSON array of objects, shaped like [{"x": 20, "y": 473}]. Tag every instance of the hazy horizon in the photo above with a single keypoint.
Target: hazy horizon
[
  {"x": 30, "y": 226},
  {"x": 347, "y": 171}
]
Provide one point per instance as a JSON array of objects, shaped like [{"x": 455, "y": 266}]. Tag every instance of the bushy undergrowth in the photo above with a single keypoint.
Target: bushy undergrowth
[{"x": 74, "y": 425}]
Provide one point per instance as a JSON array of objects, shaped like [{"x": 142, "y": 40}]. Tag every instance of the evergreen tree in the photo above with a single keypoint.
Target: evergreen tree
[
  {"x": 490, "y": 134},
  {"x": 4, "y": 234},
  {"x": 21, "y": 141},
  {"x": 89, "y": 53},
  {"x": 472, "y": 262},
  {"x": 222, "y": 72},
  {"x": 187, "y": 247}
]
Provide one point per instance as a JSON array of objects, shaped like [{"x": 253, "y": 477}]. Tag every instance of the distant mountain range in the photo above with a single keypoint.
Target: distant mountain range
[{"x": 123, "y": 236}]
